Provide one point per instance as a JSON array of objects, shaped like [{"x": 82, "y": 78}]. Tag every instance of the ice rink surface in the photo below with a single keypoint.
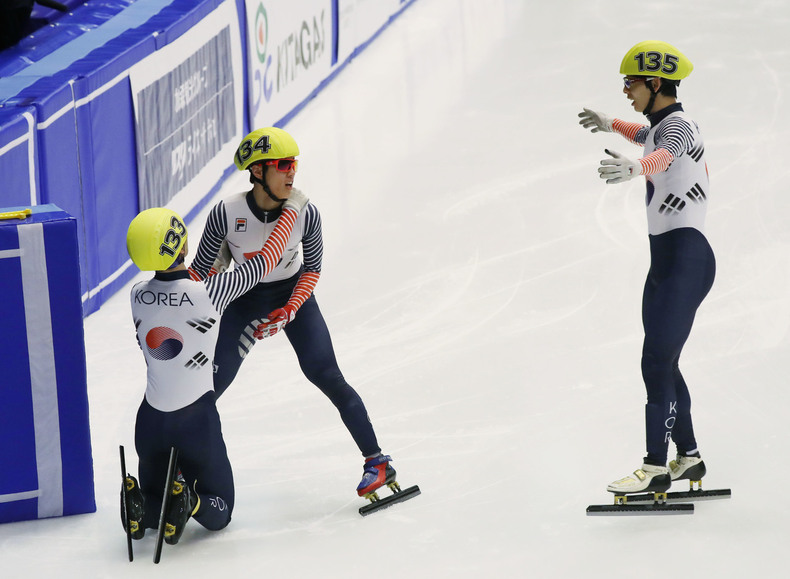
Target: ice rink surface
[{"x": 483, "y": 289}]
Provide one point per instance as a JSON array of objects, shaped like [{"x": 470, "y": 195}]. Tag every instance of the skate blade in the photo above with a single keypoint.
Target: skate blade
[
  {"x": 685, "y": 496},
  {"x": 398, "y": 496},
  {"x": 645, "y": 509}
]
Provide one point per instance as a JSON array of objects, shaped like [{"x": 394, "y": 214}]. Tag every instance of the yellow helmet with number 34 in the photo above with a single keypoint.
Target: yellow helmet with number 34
[
  {"x": 656, "y": 58},
  {"x": 263, "y": 144}
]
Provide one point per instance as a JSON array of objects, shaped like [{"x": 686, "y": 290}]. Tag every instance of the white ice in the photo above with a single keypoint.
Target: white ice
[{"x": 483, "y": 289}]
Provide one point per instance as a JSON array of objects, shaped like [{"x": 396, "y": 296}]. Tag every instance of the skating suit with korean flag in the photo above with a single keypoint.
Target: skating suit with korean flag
[
  {"x": 245, "y": 226},
  {"x": 682, "y": 269},
  {"x": 677, "y": 197},
  {"x": 177, "y": 323}
]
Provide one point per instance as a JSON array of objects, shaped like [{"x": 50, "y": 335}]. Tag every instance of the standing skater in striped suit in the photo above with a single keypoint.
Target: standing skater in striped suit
[
  {"x": 682, "y": 265},
  {"x": 284, "y": 300},
  {"x": 177, "y": 324}
]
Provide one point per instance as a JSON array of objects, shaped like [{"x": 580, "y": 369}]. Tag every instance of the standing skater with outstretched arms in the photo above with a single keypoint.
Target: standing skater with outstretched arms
[{"x": 682, "y": 265}]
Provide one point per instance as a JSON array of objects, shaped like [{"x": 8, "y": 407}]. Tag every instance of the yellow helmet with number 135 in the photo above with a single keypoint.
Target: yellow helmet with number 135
[{"x": 656, "y": 58}]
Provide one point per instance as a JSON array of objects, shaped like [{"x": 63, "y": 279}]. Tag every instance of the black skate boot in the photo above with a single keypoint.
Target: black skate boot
[
  {"x": 184, "y": 503},
  {"x": 135, "y": 507},
  {"x": 687, "y": 468}
]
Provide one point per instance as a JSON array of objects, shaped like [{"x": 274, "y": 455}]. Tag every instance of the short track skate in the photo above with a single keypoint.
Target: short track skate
[
  {"x": 167, "y": 493},
  {"x": 124, "y": 511},
  {"x": 659, "y": 503}
]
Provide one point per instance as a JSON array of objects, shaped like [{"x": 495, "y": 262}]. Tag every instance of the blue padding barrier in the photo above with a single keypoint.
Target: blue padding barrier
[
  {"x": 45, "y": 447},
  {"x": 18, "y": 171}
]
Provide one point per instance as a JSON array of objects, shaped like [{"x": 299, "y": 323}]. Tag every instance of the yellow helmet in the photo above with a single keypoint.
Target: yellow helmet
[
  {"x": 266, "y": 143},
  {"x": 155, "y": 238},
  {"x": 656, "y": 58}
]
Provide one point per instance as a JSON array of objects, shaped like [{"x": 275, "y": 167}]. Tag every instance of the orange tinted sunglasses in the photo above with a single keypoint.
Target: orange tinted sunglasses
[{"x": 283, "y": 165}]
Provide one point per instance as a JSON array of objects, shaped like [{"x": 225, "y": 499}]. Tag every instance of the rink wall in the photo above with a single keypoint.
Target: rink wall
[
  {"x": 46, "y": 468},
  {"x": 121, "y": 105}
]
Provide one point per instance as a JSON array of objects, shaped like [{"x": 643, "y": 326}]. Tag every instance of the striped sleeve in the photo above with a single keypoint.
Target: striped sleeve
[
  {"x": 215, "y": 231},
  {"x": 656, "y": 162},
  {"x": 303, "y": 289},
  {"x": 634, "y": 132},
  {"x": 312, "y": 240},
  {"x": 313, "y": 250},
  {"x": 675, "y": 135},
  {"x": 226, "y": 287}
]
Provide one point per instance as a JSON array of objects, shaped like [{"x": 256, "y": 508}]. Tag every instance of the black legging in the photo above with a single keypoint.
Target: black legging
[
  {"x": 310, "y": 340},
  {"x": 682, "y": 269},
  {"x": 196, "y": 432}
]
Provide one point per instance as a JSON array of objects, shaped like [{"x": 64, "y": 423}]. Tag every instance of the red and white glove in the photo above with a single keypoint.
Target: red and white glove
[
  {"x": 277, "y": 319},
  {"x": 275, "y": 322}
]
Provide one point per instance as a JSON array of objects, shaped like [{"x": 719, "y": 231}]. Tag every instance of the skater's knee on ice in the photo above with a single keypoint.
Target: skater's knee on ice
[
  {"x": 212, "y": 524},
  {"x": 214, "y": 513}
]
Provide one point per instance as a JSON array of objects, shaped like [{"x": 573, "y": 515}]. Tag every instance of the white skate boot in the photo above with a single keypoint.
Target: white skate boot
[
  {"x": 649, "y": 478},
  {"x": 687, "y": 467}
]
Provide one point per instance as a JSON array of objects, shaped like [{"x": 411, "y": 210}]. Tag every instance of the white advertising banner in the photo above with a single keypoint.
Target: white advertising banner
[
  {"x": 188, "y": 104},
  {"x": 290, "y": 46},
  {"x": 359, "y": 20}
]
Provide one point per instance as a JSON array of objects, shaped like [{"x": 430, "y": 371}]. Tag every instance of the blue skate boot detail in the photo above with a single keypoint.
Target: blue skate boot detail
[{"x": 377, "y": 473}]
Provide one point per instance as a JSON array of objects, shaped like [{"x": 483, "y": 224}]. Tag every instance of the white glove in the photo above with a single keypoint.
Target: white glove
[
  {"x": 296, "y": 200},
  {"x": 618, "y": 169},
  {"x": 598, "y": 121},
  {"x": 224, "y": 258}
]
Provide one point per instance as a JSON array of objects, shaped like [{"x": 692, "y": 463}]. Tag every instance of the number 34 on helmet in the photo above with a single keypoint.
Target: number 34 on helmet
[
  {"x": 656, "y": 58},
  {"x": 263, "y": 144}
]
